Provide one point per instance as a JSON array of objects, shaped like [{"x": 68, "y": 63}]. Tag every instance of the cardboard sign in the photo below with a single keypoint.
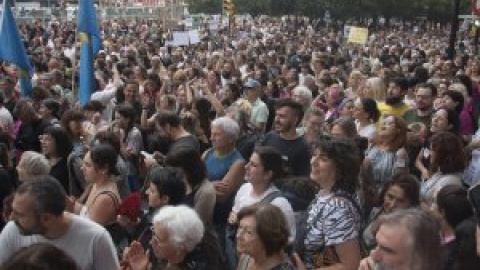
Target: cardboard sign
[{"x": 358, "y": 35}]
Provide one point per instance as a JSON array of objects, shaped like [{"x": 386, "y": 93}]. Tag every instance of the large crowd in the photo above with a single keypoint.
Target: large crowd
[{"x": 272, "y": 144}]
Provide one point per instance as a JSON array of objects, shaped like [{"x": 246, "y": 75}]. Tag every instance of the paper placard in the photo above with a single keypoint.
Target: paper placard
[
  {"x": 194, "y": 36},
  {"x": 358, "y": 35},
  {"x": 180, "y": 39}
]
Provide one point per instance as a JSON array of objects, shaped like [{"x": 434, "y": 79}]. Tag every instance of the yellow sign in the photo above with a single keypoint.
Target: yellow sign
[{"x": 358, "y": 35}]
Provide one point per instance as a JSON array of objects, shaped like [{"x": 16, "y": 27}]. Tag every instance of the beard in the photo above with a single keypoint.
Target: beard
[
  {"x": 8, "y": 92},
  {"x": 393, "y": 100},
  {"x": 35, "y": 230},
  {"x": 278, "y": 127},
  {"x": 226, "y": 74}
]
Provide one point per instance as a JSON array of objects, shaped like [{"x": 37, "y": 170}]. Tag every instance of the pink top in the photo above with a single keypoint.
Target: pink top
[{"x": 467, "y": 127}]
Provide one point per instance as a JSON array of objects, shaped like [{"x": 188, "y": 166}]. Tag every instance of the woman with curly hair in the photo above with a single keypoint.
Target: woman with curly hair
[
  {"x": 330, "y": 236},
  {"x": 387, "y": 154}
]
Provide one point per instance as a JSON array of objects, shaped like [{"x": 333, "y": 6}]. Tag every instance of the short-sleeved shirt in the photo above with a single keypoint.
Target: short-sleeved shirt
[
  {"x": 190, "y": 142},
  {"x": 296, "y": 152},
  {"x": 88, "y": 243},
  {"x": 332, "y": 220},
  {"x": 386, "y": 109},
  {"x": 412, "y": 116},
  {"x": 244, "y": 198},
  {"x": 259, "y": 112}
]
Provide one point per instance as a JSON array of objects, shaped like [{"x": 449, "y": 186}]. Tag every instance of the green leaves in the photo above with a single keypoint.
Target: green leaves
[{"x": 436, "y": 10}]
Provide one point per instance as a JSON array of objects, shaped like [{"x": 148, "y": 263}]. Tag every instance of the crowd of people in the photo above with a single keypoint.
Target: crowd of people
[{"x": 263, "y": 147}]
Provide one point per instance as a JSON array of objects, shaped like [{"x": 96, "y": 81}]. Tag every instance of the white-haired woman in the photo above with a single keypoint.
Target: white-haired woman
[
  {"x": 225, "y": 168},
  {"x": 302, "y": 95},
  {"x": 32, "y": 164},
  {"x": 177, "y": 232}
]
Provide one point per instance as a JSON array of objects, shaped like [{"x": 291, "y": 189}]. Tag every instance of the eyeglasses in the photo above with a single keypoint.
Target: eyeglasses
[
  {"x": 155, "y": 238},
  {"x": 423, "y": 96}
]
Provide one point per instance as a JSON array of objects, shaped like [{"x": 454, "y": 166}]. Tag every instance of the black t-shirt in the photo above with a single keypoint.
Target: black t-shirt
[
  {"x": 189, "y": 141},
  {"x": 28, "y": 135},
  {"x": 246, "y": 144},
  {"x": 296, "y": 152},
  {"x": 60, "y": 172},
  {"x": 6, "y": 188}
]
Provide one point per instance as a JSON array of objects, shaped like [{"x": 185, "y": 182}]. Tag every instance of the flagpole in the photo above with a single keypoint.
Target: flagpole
[{"x": 74, "y": 67}]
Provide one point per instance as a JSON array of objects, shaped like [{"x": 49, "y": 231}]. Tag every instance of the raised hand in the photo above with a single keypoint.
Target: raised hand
[{"x": 137, "y": 257}]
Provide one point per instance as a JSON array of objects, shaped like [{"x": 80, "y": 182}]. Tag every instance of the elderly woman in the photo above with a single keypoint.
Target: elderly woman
[
  {"x": 334, "y": 216},
  {"x": 302, "y": 95},
  {"x": 263, "y": 170},
  {"x": 225, "y": 168},
  {"x": 200, "y": 195},
  {"x": 262, "y": 237},
  {"x": 177, "y": 231},
  {"x": 32, "y": 164},
  {"x": 401, "y": 192},
  {"x": 166, "y": 187},
  {"x": 388, "y": 155}
]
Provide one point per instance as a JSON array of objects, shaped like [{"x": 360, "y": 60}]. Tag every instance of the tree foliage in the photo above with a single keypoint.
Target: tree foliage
[{"x": 435, "y": 10}]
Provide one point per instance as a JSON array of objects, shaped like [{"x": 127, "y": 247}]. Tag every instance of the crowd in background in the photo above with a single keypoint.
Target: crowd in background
[{"x": 264, "y": 146}]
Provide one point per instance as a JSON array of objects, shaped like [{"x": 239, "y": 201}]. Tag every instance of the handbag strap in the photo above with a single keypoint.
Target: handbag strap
[
  {"x": 270, "y": 197},
  {"x": 110, "y": 194}
]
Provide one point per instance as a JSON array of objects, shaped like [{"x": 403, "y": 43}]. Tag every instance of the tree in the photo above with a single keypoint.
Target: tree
[{"x": 435, "y": 10}]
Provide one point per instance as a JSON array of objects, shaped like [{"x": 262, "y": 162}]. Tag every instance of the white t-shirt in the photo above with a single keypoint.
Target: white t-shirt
[
  {"x": 244, "y": 198},
  {"x": 88, "y": 243},
  {"x": 369, "y": 131}
]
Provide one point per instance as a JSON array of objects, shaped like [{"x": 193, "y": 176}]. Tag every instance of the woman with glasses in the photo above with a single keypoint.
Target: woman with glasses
[
  {"x": 57, "y": 146},
  {"x": 262, "y": 171}
]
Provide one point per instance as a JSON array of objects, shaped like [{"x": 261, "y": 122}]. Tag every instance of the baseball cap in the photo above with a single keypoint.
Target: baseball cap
[{"x": 251, "y": 83}]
